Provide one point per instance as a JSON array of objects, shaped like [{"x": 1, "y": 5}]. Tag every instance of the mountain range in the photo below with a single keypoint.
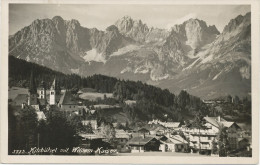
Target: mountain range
[{"x": 192, "y": 55}]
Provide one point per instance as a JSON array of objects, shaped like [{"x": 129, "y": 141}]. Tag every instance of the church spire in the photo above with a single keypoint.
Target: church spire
[{"x": 53, "y": 86}]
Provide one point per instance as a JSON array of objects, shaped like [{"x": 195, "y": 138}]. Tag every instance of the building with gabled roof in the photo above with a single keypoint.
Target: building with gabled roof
[
  {"x": 215, "y": 121},
  {"x": 20, "y": 99},
  {"x": 67, "y": 102},
  {"x": 92, "y": 122},
  {"x": 203, "y": 138},
  {"x": 180, "y": 144},
  {"x": 142, "y": 144}
]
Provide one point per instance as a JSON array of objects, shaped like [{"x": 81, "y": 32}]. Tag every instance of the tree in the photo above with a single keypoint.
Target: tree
[
  {"x": 42, "y": 134},
  {"x": 27, "y": 124},
  {"x": 215, "y": 147},
  {"x": 75, "y": 122},
  {"x": 198, "y": 123},
  {"x": 223, "y": 142},
  {"x": 108, "y": 131},
  {"x": 236, "y": 100},
  {"x": 61, "y": 132},
  {"x": 229, "y": 99},
  {"x": 12, "y": 131}
]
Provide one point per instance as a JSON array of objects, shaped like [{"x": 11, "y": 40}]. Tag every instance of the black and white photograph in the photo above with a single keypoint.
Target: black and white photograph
[{"x": 116, "y": 79}]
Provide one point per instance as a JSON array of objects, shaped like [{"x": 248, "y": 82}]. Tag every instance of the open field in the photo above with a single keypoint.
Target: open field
[
  {"x": 14, "y": 91},
  {"x": 104, "y": 106},
  {"x": 94, "y": 95}
]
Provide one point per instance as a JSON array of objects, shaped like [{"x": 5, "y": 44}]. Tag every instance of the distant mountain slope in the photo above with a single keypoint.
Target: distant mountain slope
[
  {"x": 191, "y": 56},
  {"x": 222, "y": 67}
]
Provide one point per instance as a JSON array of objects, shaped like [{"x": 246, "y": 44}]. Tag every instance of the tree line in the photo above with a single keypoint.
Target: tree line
[{"x": 152, "y": 102}]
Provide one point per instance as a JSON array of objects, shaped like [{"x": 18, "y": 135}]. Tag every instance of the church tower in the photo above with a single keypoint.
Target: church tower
[
  {"x": 32, "y": 100},
  {"x": 53, "y": 92},
  {"x": 42, "y": 90}
]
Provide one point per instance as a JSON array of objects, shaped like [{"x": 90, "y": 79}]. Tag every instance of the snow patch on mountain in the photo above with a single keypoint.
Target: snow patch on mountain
[
  {"x": 126, "y": 49},
  {"x": 27, "y": 58},
  {"x": 245, "y": 72},
  {"x": 93, "y": 55},
  {"x": 158, "y": 78},
  {"x": 142, "y": 70},
  {"x": 217, "y": 75},
  {"x": 75, "y": 71},
  {"x": 127, "y": 69}
]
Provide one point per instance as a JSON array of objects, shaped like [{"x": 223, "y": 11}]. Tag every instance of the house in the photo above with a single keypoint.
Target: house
[
  {"x": 130, "y": 102},
  {"x": 156, "y": 129},
  {"x": 67, "y": 102},
  {"x": 153, "y": 122},
  {"x": 143, "y": 144},
  {"x": 233, "y": 129},
  {"x": 172, "y": 125},
  {"x": 203, "y": 138},
  {"x": 214, "y": 123},
  {"x": 174, "y": 143},
  {"x": 210, "y": 102},
  {"x": 244, "y": 143},
  {"x": 119, "y": 123},
  {"x": 122, "y": 138},
  {"x": 180, "y": 144},
  {"x": 91, "y": 136},
  {"x": 166, "y": 144},
  {"x": 20, "y": 99},
  {"x": 233, "y": 133},
  {"x": 140, "y": 132},
  {"x": 92, "y": 122}
]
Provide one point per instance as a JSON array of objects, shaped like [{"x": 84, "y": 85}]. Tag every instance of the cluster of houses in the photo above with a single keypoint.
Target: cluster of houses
[
  {"x": 158, "y": 136},
  {"x": 154, "y": 136}
]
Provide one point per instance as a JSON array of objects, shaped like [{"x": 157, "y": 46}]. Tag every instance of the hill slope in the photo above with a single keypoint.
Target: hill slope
[{"x": 152, "y": 102}]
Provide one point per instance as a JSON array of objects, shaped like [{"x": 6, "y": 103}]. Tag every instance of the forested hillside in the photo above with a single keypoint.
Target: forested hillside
[{"x": 152, "y": 102}]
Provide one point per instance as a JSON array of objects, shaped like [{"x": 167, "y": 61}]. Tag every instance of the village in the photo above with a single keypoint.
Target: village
[{"x": 155, "y": 136}]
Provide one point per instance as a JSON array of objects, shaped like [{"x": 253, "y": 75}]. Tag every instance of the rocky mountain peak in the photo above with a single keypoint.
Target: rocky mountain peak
[
  {"x": 134, "y": 29},
  {"x": 239, "y": 20},
  {"x": 124, "y": 24},
  {"x": 196, "y": 33},
  {"x": 213, "y": 29},
  {"x": 57, "y": 19},
  {"x": 112, "y": 28}
]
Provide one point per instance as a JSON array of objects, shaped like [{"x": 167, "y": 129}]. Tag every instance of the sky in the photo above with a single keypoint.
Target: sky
[{"x": 104, "y": 15}]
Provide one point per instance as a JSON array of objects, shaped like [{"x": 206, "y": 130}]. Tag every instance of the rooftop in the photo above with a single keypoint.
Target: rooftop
[
  {"x": 214, "y": 121},
  {"x": 139, "y": 140},
  {"x": 67, "y": 99},
  {"x": 20, "y": 99}
]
